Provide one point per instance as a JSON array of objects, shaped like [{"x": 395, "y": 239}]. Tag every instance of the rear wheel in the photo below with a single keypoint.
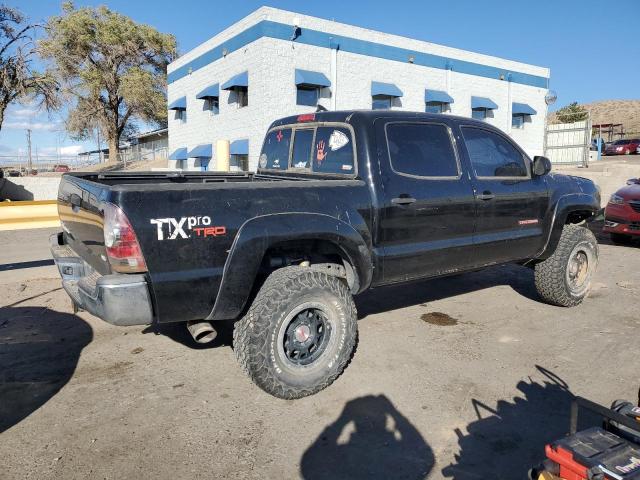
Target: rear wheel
[
  {"x": 299, "y": 334},
  {"x": 564, "y": 279}
]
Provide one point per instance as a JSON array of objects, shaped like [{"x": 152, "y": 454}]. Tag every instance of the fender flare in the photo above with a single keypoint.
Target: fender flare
[
  {"x": 566, "y": 204},
  {"x": 258, "y": 234}
]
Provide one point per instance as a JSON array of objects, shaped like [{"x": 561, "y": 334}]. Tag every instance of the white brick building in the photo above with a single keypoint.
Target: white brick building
[{"x": 272, "y": 57}]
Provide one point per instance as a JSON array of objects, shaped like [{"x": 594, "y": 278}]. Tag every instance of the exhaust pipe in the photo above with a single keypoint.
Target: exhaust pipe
[{"x": 201, "y": 331}]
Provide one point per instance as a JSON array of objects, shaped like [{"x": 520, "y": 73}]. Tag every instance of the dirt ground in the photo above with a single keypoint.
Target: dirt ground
[{"x": 465, "y": 377}]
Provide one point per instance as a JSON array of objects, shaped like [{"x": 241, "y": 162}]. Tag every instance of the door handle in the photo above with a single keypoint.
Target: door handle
[
  {"x": 486, "y": 195},
  {"x": 403, "y": 200}
]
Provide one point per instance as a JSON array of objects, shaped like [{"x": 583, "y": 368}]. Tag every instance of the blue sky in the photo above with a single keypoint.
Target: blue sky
[{"x": 592, "y": 48}]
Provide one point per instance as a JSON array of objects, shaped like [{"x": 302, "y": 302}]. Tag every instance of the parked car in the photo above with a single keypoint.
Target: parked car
[
  {"x": 61, "y": 168},
  {"x": 622, "y": 147},
  {"x": 14, "y": 173},
  {"x": 622, "y": 213},
  {"x": 342, "y": 202}
]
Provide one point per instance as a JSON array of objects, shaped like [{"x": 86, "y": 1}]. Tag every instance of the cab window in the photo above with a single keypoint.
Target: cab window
[
  {"x": 493, "y": 155},
  {"x": 275, "y": 152}
]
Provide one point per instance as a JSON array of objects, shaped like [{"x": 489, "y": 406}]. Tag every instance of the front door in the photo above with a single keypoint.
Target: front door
[
  {"x": 510, "y": 203},
  {"x": 428, "y": 208}
]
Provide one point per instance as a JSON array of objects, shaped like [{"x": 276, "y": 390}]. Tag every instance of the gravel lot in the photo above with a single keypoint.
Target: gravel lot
[{"x": 474, "y": 393}]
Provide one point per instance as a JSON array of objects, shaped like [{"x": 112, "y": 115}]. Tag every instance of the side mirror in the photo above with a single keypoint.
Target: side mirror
[{"x": 541, "y": 166}]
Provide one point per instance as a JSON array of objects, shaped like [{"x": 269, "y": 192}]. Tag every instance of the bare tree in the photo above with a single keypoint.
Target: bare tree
[{"x": 19, "y": 80}]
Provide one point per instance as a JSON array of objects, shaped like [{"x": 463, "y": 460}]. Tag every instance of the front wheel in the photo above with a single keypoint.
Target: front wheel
[
  {"x": 299, "y": 334},
  {"x": 564, "y": 279}
]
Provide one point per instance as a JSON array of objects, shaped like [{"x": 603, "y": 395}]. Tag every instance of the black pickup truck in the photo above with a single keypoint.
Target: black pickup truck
[{"x": 341, "y": 202}]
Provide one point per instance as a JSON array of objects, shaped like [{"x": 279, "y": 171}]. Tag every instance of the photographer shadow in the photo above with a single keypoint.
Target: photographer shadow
[{"x": 370, "y": 439}]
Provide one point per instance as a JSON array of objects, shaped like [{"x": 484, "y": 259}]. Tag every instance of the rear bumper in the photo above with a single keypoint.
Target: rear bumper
[{"x": 118, "y": 299}]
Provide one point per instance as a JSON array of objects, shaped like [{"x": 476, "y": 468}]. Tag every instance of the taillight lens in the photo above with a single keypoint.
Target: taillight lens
[{"x": 123, "y": 249}]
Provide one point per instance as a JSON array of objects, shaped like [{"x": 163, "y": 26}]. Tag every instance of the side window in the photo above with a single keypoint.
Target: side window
[
  {"x": 302, "y": 141},
  {"x": 492, "y": 155},
  {"x": 333, "y": 151},
  {"x": 421, "y": 149},
  {"x": 275, "y": 152}
]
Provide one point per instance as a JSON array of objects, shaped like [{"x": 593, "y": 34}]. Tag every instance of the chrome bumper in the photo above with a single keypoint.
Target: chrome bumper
[{"x": 118, "y": 299}]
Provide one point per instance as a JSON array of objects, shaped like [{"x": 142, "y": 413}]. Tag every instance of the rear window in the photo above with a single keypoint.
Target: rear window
[
  {"x": 275, "y": 152},
  {"x": 325, "y": 149},
  {"x": 301, "y": 155},
  {"x": 333, "y": 151}
]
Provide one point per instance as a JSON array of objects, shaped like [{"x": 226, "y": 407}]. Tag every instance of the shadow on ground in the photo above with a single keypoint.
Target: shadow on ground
[
  {"x": 178, "y": 333},
  {"x": 385, "y": 299},
  {"x": 39, "y": 351},
  {"x": 370, "y": 439},
  {"x": 505, "y": 441}
]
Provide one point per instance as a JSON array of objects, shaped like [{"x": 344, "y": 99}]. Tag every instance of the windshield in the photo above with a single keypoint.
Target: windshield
[{"x": 621, "y": 142}]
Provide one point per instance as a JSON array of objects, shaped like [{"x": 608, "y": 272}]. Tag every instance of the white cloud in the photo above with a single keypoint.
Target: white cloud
[
  {"x": 71, "y": 150},
  {"x": 25, "y": 112},
  {"x": 47, "y": 126}
]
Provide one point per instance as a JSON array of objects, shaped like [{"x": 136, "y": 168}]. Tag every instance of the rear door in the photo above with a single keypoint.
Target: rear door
[
  {"x": 510, "y": 203},
  {"x": 427, "y": 207}
]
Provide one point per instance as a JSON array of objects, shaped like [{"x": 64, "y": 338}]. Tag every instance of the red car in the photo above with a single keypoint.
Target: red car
[
  {"x": 622, "y": 147},
  {"x": 61, "y": 168},
  {"x": 622, "y": 213}
]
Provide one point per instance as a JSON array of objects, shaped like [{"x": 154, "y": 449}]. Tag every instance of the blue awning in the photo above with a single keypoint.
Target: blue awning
[
  {"x": 179, "y": 104},
  {"x": 437, "y": 96},
  {"x": 239, "y": 147},
  {"x": 482, "y": 102},
  {"x": 179, "y": 154},
  {"x": 379, "y": 89},
  {"x": 306, "y": 78},
  {"x": 212, "y": 91},
  {"x": 201, "y": 151},
  {"x": 522, "y": 109},
  {"x": 240, "y": 80}
]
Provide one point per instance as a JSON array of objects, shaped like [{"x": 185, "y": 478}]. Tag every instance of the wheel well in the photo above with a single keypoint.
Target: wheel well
[
  {"x": 297, "y": 252},
  {"x": 578, "y": 216}
]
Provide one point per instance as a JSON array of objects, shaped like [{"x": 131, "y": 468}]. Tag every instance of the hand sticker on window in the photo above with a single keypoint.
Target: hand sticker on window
[
  {"x": 320, "y": 153},
  {"x": 263, "y": 160},
  {"x": 337, "y": 140}
]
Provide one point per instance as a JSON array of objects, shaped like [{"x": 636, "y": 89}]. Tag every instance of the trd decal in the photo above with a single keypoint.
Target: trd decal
[
  {"x": 530, "y": 221},
  {"x": 174, "y": 228}
]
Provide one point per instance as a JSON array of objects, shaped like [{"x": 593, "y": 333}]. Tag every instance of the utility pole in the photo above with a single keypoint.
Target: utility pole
[{"x": 29, "y": 164}]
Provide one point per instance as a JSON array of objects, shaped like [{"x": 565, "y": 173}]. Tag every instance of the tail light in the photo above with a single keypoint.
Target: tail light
[{"x": 123, "y": 249}]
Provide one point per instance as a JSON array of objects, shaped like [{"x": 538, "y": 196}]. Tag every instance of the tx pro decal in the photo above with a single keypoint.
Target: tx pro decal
[{"x": 186, "y": 227}]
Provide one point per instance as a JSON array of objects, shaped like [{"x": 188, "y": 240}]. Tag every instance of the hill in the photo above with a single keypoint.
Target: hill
[{"x": 626, "y": 112}]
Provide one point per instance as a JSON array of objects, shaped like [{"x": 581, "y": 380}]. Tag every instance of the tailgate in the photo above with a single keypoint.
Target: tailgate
[{"x": 81, "y": 217}]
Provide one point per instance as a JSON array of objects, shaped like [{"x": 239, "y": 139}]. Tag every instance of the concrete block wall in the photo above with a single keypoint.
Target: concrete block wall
[{"x": 271, "y": 64}]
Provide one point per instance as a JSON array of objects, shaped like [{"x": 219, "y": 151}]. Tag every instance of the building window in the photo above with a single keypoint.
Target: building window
[
  {"x": 240, "y": 162},
  {"x": 307, "y": 96},
  {"x": 479, "y": 113},
  {"x": 436, "y": 107},
  {"x": 213, "y": 105},
  {"x": 181, "y": 115},
  {"x": 517, "y": 121},
  {"x": 242, "y": 96},
  {"x": 381, "y": 103}
]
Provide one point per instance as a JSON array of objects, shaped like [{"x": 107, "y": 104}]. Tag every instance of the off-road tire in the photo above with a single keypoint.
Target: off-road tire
[
  {"x": 257, "y": 337},
  {"x": 551, "y": 277}
]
